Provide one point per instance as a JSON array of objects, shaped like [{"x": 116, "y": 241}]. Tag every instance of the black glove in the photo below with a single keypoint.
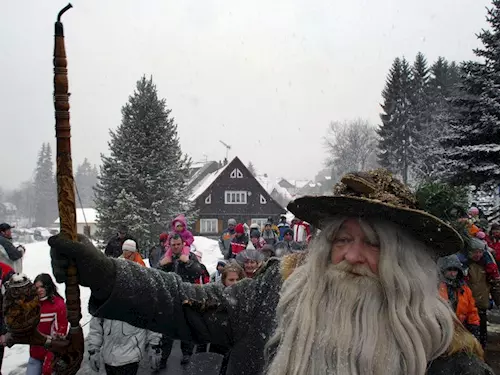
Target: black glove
[{"x": 95, "y": 270}]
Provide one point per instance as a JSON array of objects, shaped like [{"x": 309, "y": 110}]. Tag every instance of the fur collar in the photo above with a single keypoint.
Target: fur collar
[{"x": 463, "y": 340}]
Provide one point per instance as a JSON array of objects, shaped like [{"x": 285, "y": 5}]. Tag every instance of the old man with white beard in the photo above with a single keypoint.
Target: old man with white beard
[{"x": 364, "y": 300}]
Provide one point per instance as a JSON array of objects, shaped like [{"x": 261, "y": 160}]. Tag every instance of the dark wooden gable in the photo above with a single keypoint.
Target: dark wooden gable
[{"x": 236, "y": 178}]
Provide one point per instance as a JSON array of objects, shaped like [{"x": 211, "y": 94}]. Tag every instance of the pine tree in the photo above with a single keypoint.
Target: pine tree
[
  {"x": 473, "y": 146},
  {"x": 419, "y": 115},
  {"x": 396, "y": 133},
  {"x": 143, "y": 182},
  {"x": 45, "y": 188},
  {"x": 442, "y": 81},
  {"x": 85, "y": 180},
  {"x": 251, "y": 169}
]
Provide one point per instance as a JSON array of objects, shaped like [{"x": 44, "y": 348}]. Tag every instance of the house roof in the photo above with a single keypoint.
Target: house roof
[
  {"x": 270, "y": 185},
  {"x": 205, "y": 183},
  {"x": 84, "y": 215}
]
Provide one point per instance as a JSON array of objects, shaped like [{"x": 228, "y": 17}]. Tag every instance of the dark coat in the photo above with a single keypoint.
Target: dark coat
[
  {"x": 114, "y": 246},
  {"x": 13, "y": 252},
  {"x": 189, "y": 272},
  {"x": 155, "y": 255},
  {"x": 241, "y": 317}
]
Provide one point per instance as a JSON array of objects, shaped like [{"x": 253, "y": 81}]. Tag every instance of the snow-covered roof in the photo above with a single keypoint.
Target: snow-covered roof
[
  {"x": 270, "y": 185},
  {"x": 205, "y": 183},
  {"x": 84, "y": 215},
  {"x": 299, "y": 183}
]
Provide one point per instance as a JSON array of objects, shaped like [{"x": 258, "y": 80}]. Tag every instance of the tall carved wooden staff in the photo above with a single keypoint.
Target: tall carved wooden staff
[
  {"x": 69, "y": 361},
  {"x": 21, "y": 306}
]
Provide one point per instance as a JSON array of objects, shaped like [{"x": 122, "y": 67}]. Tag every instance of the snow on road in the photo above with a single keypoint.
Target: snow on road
[{"x": 37, "y": 260}]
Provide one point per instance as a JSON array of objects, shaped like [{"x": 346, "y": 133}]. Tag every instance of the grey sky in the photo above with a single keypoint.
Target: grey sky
[{"x": 264, "y": 76}]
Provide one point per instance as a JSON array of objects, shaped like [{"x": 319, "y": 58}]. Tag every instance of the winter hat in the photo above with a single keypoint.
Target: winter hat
[
  {"x": 129, "y": 245},
  {"x": 221, "y": 263},
  {"x": 163, "y": 237},
  {"x": 249, "y": 254},
  {"x": 239, "y": 228},
  {"x": 288, "y": 231},
  {"x": 481, "y": 235},
  {"x": 231, "y": 222},
  {"x": 473, "y": 211},
  {"x": 255, "y": 234}
]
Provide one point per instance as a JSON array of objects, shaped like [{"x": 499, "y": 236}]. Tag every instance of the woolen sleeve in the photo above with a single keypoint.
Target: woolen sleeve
[{"x": 161, "y": 302}]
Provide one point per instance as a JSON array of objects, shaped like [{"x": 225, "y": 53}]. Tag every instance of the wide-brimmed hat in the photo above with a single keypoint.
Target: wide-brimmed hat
[{"x": 377, "y": 194}]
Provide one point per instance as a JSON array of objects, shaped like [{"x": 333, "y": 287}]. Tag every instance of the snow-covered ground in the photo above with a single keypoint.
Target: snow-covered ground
[{"x": 37, "y": 260}]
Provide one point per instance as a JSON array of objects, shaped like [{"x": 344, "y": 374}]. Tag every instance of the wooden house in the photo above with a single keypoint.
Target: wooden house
[{"x": 230, "y": 192}]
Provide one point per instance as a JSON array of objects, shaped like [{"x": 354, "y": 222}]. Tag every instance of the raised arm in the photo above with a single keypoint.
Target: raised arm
[{"x": 161, "y": 302}]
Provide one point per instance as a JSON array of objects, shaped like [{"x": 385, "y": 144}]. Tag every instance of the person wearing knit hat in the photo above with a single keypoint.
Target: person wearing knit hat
[
  {"x": 240, "y": 240},
  {"x": 129, "y": 249}
]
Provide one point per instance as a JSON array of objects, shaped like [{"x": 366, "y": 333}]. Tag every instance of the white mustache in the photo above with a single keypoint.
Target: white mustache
[{"x": 357, "y": 269}]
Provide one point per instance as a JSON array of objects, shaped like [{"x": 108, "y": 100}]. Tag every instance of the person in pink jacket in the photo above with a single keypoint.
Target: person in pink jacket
[{"x": 179, "y": 226}]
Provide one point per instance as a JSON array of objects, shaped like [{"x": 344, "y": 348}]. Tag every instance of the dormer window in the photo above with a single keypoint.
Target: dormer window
[{"x": 236, "y": 173}]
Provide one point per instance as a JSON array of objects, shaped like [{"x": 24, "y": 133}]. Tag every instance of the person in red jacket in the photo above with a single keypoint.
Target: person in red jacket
[
  {"x": 53, "y": 322},
  {"x": 493, "y": 240},
  {"x": 6, "y": 273}
]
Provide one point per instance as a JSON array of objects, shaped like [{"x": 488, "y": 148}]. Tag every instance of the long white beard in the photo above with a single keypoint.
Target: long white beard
[{"x": 339, "y": 325}]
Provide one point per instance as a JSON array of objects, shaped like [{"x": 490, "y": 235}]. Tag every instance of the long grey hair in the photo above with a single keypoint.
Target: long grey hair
[{"x": 331, "y": 322}]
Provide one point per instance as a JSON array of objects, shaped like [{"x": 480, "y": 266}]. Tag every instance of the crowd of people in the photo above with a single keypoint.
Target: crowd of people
[
  {"x": 245, "y": 249},
  {"x": 348, "y": 294}
]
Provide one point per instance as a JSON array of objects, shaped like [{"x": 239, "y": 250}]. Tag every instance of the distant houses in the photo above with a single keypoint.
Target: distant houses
[{"x": 86, "y": 221}]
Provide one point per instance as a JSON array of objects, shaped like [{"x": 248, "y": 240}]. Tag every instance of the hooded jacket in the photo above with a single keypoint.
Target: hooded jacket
[
  {"x": 185, "y": 234},
  {"x": 457, "y": 292},
  {"x": 119, "y": 343},
  {"x": 241, "y": 317}
]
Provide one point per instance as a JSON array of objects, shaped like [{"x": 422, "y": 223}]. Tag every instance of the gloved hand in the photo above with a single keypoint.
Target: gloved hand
[
  {"x": 95, "y": 270},
  {"x": 95, "y": 360},
  {"x": 154, "y": 353}
]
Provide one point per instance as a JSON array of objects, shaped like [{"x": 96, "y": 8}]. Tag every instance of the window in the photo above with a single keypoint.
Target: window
[
  {"x": 259, "y": 222},
  {"x": 209, "y": 226},
  {"x": 208, "y": 199},
  {"x": 262, "y": 199},
  {"x": 235, "y": 197},
  {"x": 236, "y": 173}
]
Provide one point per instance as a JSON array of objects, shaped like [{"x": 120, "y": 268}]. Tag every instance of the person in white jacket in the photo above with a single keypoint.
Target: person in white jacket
[{"x": 121, "y": 346}]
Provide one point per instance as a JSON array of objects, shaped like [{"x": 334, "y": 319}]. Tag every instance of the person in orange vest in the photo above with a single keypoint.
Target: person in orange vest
[
  {"x": 454, "y": 290},
  {"x": 129, "y": 248}
]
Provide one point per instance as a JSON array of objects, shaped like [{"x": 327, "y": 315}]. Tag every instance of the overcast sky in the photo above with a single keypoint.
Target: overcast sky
[{"x": 264, "y": 76}]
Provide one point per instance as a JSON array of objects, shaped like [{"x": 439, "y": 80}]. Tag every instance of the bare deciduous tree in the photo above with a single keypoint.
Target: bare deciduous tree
[{"x": 351, "y": 146}]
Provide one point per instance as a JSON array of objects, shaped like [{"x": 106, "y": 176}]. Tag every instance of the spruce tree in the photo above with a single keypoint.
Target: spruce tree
[
  {"x": 442, "y": 80},
  {"x": 143, "y": 181},
  {"x": 45, "y": 188},
  {"x": 396, "y": 133},
  {"x": 85, "y": 180},
  {"x": 473, "y": 145},
  {"x": 419, "y": 115}
]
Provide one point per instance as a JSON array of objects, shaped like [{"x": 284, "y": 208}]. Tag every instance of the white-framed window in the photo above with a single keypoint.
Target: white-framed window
[
  {"x": 235, "y": 197},
  {"x": 262, "y": 199},
  {"x": 236, "y": 173},
  {"x": 209, "y": 226},
  {"x": 208, "y": 199},
  {"x": 259, "y": 222}
]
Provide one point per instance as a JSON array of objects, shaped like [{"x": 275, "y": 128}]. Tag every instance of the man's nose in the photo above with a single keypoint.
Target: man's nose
[{"x": 355, "y": 253}]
